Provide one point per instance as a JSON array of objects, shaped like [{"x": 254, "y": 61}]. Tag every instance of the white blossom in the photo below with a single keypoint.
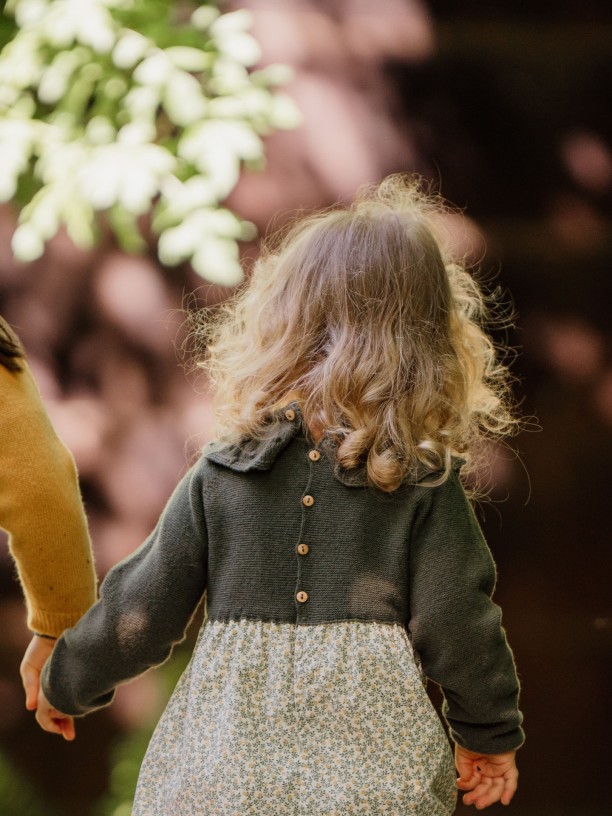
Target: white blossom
[
  {"x": 155, "y": 70},
  {"x": 130, "y": 48},
  {"x": 154, "y": 129},
  {"x": 27, "y": 243}
]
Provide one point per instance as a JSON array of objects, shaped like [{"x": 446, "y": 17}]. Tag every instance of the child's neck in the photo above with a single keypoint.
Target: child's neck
[{"x": 316, "y": 432}]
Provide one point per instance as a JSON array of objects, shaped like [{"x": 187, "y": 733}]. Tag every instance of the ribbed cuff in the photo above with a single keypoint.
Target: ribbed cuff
[
  {"x": 481, "y": 743},
  {"x": 52, "y": 624}
]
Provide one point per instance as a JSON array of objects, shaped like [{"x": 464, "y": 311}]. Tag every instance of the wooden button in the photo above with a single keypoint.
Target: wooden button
[
  {"x": 308, "y": 501},
  {"x": 302, "y": 596},
  {"x": 290, "y": 414},
  {"x": 302, "y": 549},
  {"x": 314, "y": 455}
]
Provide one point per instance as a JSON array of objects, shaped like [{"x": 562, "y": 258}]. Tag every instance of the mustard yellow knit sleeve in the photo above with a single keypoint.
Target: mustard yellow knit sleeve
[{"x": 41, "y": 509}]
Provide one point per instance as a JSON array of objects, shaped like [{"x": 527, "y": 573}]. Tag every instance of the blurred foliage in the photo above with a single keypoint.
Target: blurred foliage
[
  {"x": 126, "y": 759},
  {"x": 8, "y": 28},
  {"x": 16, "y": 794},
  {"x": 131, "y": 107}
]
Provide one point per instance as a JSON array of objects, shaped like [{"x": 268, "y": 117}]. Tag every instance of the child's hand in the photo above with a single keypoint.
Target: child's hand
[
  {"x": 50, "y": 719},
  {"x": 34, "y": 659},
  {"x": 489, "y": 778}
]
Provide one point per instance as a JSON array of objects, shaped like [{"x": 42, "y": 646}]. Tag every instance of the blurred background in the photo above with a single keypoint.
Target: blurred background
[{"x": 506, "y": 109}]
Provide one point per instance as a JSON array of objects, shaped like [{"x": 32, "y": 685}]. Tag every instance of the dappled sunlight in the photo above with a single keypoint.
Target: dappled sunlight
[
  {"x": 573, "y": 349},
  {"x": 578, "y": 226},
  {"x": 131, "y": 293},
  {"x": 83, "y": 424},
  {"x": 138, "y": 702},
  {"x": 131, "y": 629},
  {"x": 350, "y": 134},
  {"x": 499, "y": 474},
  {"x": 398, "y": 29},
  {"x": 589, "y": 160},
  {"x": 115, "y": 536},
  {"x": 462, "y": 235},
  {"x": 344, "y": 158},
  {"x": 144, "y": 464},
  {"x": 46, "y": 379}
]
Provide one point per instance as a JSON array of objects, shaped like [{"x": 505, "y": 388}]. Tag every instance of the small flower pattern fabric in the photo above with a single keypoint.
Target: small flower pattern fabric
[{"x": 278, "y": 719}]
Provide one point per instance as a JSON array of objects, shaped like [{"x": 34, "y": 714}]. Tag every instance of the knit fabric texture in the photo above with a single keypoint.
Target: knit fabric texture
[
  {"x": 233, "y": 527},
  {"x": 41, "y": 509}
]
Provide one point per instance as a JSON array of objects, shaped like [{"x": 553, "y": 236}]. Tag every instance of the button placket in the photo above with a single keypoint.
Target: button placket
[
  {"x": 303, "y": 591},
  {"x": 301, "y": 595}
]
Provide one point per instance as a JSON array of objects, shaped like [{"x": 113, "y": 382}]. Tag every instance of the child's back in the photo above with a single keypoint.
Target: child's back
[{"x": 342, "y": 564}]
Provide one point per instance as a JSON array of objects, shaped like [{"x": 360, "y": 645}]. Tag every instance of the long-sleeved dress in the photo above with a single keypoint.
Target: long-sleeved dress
[{"x": 328, "y": 602}]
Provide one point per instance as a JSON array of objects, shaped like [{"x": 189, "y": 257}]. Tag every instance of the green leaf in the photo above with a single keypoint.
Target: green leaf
[{"x": 125, "y": 227}]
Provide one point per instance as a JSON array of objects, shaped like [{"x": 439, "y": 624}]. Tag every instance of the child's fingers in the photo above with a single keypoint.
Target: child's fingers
[
  {"x": 493, "y": 794},
  {"x": 510, "y": 786},
  {"x": 46, "y": 721},
  {"x": 54, "y": 722},
  {"x": 500, "y": 789},
  {"x": 466, "y": 763},
  {"x": 67, "y": 730},
  {"x": 506, "y": 782},
  {"x": 479, "y": 791},
  {"x": 468, "y": 783}
]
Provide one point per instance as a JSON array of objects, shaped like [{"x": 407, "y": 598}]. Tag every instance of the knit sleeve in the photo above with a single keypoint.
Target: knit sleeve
[
  {"x": 41, "y": 509},
  {"x": 456, "y": 628},
  {"x": 146, "y": 603}
]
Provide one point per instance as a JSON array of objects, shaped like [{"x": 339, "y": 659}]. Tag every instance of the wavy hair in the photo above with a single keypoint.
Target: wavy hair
[
  {"x": 11, "y": 352},
  {"x": 360, "y": 313}
]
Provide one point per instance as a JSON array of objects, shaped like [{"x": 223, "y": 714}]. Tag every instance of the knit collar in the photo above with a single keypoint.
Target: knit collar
[
  {"x": 287, "y": 422},
  {"x": 254, "y": 454}
]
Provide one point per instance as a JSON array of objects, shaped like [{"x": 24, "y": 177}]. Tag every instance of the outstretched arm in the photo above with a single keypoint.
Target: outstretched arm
[
  {"x": 41, "y": 509},
  {"x": 145, "y": 605}
]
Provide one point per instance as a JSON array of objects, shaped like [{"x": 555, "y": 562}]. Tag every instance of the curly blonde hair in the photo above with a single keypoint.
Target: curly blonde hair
[{"x": 361, "y": 314}]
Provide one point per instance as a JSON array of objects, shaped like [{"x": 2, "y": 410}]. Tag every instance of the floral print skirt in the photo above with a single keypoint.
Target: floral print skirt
[{"x": 277, "y": 719}]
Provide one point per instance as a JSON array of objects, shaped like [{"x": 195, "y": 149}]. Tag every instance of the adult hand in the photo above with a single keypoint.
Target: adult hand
[
  {"x": 34, "y": 659},
  {"x": 489, "y": 778},
  {"x": 52, "y": 720}
]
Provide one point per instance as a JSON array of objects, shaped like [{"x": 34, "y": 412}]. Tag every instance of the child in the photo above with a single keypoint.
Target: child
[{"x": 341, "y": 559}]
